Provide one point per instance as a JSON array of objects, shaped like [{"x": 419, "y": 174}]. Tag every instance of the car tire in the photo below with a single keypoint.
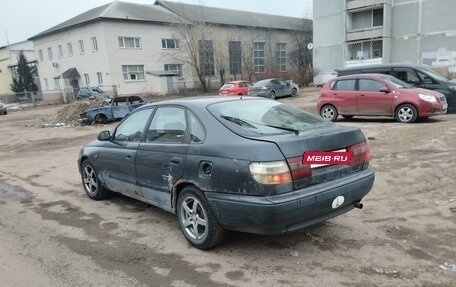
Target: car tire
[
  {"x": 319, "y": 86},
  {"x": 294, "y": 92},
  {"x": 347, "y": 117},
  {"x": 79, "y": 98},
  {"x": 406, "y": 113},
  {"x": 272, "y": 95},
  {"x": 197, "y": 220},
  {"x": 91, "y": 183},
  {"x": 100, "y": 119},
  {"x": 329, "y": 112},
  {"x": 5, "y": 112}
]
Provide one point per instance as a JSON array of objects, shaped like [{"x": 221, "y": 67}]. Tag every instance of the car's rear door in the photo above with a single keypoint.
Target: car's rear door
[
  {"x": 162, "y": 155},
  {"x": 370, "y": 100},
  {"x": 343, "y": 96}
]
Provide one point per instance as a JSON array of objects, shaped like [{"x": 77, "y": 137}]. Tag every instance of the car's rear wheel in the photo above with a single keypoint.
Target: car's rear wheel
[
  {"x": 79, "y": 98},
  {"x": 406, "y": 113},
  {"x": 294, "y": 92},
  {"x": 91, "y": 183},
  {"x": 100, "y": 119},
  {"x": 347, "y": 117},
  {"x": 329, "y": 112},
  {"x": 197, "y": 220},
  {"x": 272, "y": 95}
]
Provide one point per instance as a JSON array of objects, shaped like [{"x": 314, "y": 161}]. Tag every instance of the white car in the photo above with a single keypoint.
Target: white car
[
  {"x": 321, "y": 78},
  {"x": 3, "y": 110}
]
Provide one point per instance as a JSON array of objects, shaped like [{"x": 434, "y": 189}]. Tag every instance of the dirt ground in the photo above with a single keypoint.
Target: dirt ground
[{"x": 51, "y": 234}]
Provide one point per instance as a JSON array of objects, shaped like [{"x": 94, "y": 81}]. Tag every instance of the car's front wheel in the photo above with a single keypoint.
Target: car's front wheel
[
  {"x": 329, "y": 112},
  {"x": 406, "y": 113},
  {"x": 197, "y": 220},
  {"x": 100, "y": 119},
  {"x": 91, "y": 183}
]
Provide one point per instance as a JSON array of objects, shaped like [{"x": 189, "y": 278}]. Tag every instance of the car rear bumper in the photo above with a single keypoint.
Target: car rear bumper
[{"x": 291, "y": 211}]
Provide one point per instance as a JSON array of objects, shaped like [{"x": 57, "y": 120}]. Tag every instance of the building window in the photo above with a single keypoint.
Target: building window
[
  {"x": 60, "y": 48},
  {"x": 70, "y": 49},
  {"x": 129, "y": 43},
  {"x": 174, "y": 68},
  {"x": 377, "y": 17},
  {"x": 87, "y": 79},
  {"x": 57, "y": 84},
  {"x": 365, "y": 50},
  {"x": 100, "y": 78},
  {"x": 81, "y": 47},
  {"x": 206, "y": 57},
  {"x": 94, "y": 44},
  {"x": 46, "y": 84},
  {"x": 234, "y": 54},
  {"x": 258, "y": 56},
  {"x": 40, "y": 54},
  {"x": 50, "y": 57},
  {"x": 170, "y": 44},
  {"x": 133, "y": 72},
  {"x": 281, "y": 57}
]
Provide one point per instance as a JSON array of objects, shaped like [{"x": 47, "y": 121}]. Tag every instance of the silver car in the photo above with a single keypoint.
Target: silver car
[{"x": 273, "y": 88}]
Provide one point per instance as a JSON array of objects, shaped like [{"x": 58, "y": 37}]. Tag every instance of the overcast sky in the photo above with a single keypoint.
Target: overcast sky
[{"x": 21, "y": 19}]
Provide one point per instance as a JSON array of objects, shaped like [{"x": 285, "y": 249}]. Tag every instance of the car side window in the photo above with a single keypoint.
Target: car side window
[
  {"x": 131, "y": 129},
  {"x": 407, "y": 75},
  {"x": 345, "y": 85},
  {"x": 283, "y": 83},
  {"x": 197, "y": 134},
  {"x": 167, "y": 126},
  {"x": 370, "y": 85}
]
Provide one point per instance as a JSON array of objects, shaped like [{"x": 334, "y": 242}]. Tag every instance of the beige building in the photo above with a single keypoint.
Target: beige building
[
  {"x": 167, "y": 47},
  {"x": 8, "y": 64}
]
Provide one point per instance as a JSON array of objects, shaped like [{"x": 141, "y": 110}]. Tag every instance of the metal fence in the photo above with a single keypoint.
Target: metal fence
[
  {"x": 23, "y": 97},
  {"x": 365, "y": 50}
]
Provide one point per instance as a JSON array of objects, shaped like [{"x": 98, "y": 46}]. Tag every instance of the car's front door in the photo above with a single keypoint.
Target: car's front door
[
  {"x": 120, "y": 107},
  {"x": 161, "y": 156},
  {"x": 370, "y": 100},
  {"x": 117, "y": 158}
]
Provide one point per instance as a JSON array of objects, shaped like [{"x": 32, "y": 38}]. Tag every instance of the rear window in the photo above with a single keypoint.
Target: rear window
[
  {"x": 345, "y": 85},
  {"x": 263, "y": 117},
  {"x": 227, "y": 86}
]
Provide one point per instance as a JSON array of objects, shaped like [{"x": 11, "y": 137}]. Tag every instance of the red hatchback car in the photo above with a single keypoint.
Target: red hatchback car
[
  {"x": 378, "y": 95},
  {"x": 235, "y": 88}
]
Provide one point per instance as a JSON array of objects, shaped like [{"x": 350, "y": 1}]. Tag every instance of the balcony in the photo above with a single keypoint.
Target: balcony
[
  {"x": 358, "y": 5},
  {"x": 366, "y": 33}
]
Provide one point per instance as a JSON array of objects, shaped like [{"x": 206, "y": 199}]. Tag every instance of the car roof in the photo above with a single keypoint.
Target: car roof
[
  {"x": 204, "y": 100},
  {"x": 379, "y": 66},
  {"x": 361, "y": 75},
  {"x": 240, "y": 81}
]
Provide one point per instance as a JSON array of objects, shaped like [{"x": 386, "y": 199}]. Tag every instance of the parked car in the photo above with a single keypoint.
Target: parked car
[
  {"x": 113, "y": 109},
  {"x": 3, "y": 109},
  {"x": 273, "y": 88},
  {"x": 91, "y": 93},
  {"x": 378, "y": 95},
  {"x": 235, "y": 88},
  {"x": 417, "y": 76},
  {"x": 228, "y": 163},
  {"x": 322, "y": 78}
]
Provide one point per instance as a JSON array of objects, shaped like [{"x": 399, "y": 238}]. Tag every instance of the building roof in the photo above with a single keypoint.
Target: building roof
[
  {"x": 206, "y": 14},
  {"x": 117, "y": 10},
  {"x": 178, "y": 13}
]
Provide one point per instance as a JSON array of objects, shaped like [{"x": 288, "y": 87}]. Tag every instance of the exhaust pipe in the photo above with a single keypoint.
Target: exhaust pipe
[{"x": 358, "y": 205}]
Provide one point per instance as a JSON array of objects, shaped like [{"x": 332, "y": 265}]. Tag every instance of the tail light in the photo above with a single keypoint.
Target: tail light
[
  {"x": 298, "y": 169},
  {"x": 360, "y": 153},
  {"x": 272, "y": 172}
]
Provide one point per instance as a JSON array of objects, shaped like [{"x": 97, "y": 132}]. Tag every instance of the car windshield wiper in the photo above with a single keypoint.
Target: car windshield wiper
[
  {"x": 238, "y": 121},
  {"x": 296, "y": 131}
]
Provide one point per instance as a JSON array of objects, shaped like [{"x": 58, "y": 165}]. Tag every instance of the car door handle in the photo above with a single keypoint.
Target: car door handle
[
  {"x": 129, "y": 157},
  {"x": 176, "y": 160},
  {"x": 362, "y": 95}
]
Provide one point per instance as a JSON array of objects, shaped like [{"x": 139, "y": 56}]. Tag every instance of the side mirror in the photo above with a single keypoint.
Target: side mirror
[
  {"x": 104, "y": 136},
  {"x": 427, "y": 80},
  {"x": 385, "y": 90}
]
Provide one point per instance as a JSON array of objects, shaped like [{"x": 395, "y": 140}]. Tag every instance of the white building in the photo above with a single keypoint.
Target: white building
[{"x": 127, "y": 48}]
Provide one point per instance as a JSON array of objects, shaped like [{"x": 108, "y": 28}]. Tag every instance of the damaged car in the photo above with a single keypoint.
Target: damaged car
[
  {"x": 229, "y": 163},
  {"x": 113, "y": 109}
]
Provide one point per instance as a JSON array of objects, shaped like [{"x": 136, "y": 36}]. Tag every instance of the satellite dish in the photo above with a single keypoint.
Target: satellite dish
[{"x": 310, "y": 46}]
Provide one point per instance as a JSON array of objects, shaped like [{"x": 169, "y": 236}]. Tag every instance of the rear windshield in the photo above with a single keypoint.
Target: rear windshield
[
  {"x": 227, "y": 86},
  {"x": 263, "y": 117}
]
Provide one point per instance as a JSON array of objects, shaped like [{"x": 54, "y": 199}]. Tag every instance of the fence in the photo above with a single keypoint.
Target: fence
[{"x": 23, "y": 97}]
